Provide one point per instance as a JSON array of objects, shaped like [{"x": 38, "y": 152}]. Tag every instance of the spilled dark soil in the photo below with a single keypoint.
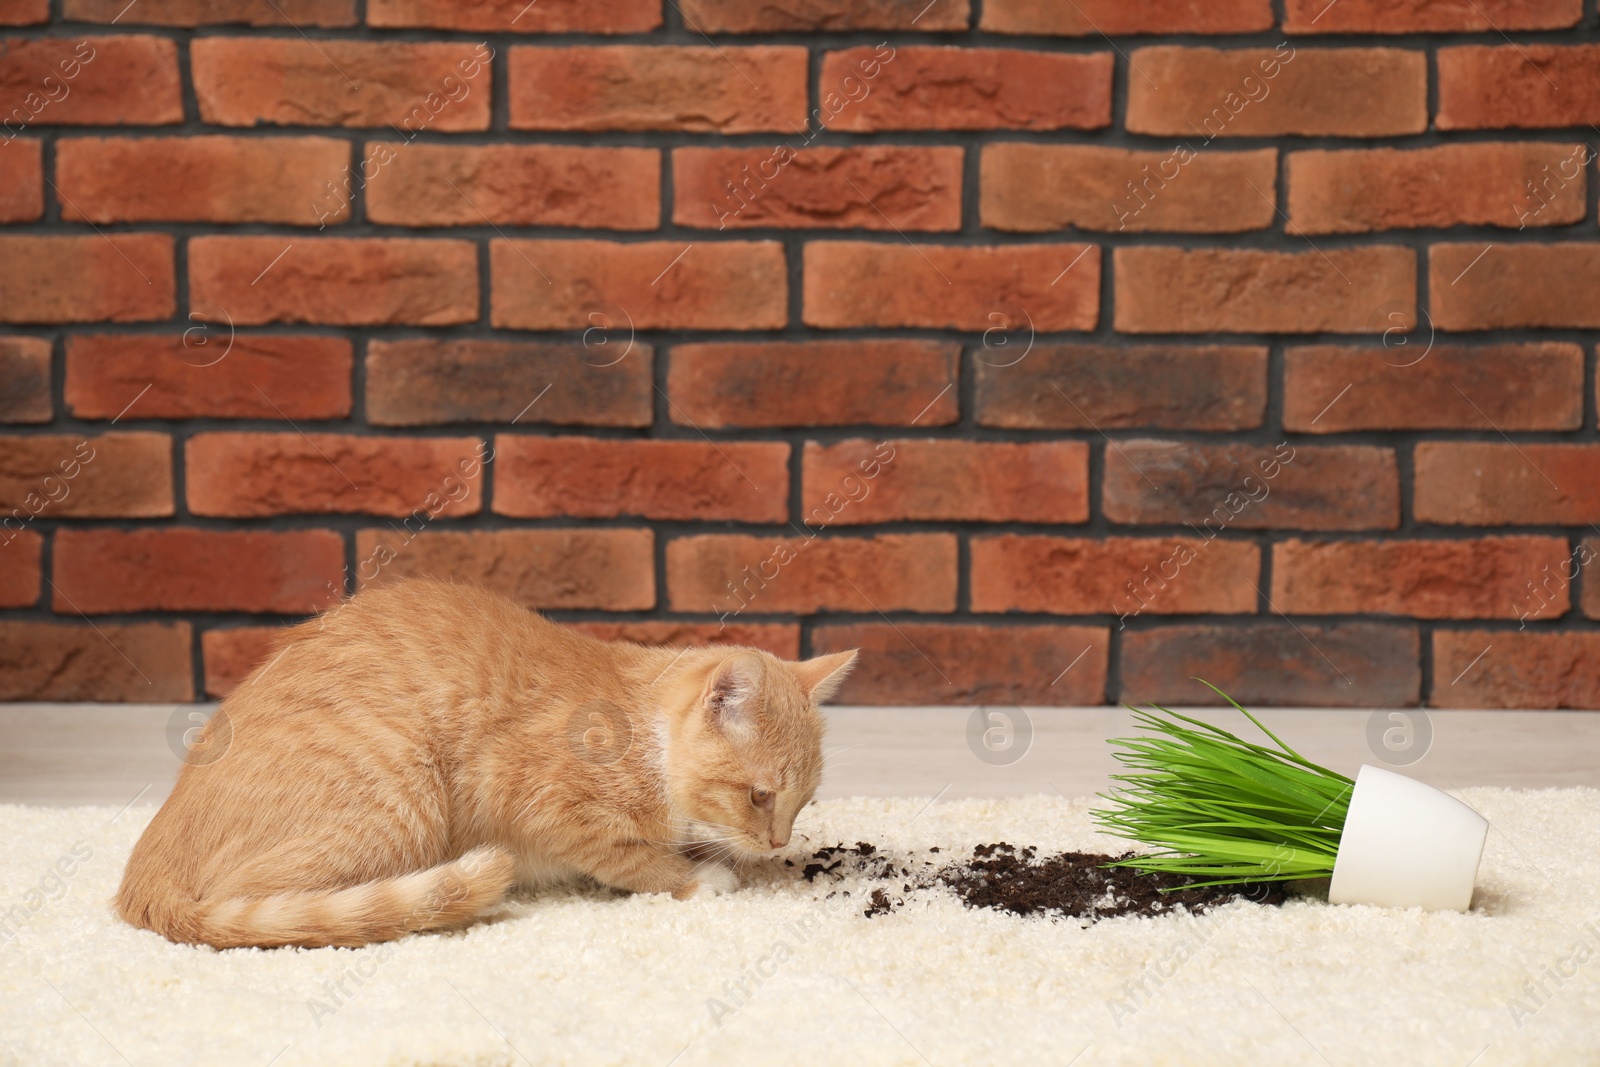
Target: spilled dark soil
[{"x": 1006, "y": 878}]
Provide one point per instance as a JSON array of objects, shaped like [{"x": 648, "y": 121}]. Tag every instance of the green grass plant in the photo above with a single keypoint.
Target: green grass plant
[{"x": 1219, "y": 809}]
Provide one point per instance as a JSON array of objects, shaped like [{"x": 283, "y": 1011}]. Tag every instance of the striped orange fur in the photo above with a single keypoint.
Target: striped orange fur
[{"x": 415, "y": 752}]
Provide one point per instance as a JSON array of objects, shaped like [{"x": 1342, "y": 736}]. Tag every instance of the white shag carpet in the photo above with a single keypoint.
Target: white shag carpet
[{"x": 780, "y": 974}]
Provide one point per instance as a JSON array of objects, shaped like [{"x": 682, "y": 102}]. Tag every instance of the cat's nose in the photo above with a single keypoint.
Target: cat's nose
[{"x": 779, "y": 840}]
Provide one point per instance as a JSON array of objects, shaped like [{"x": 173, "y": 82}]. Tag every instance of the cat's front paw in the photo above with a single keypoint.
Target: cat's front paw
[{"x": 709, "y": 879}]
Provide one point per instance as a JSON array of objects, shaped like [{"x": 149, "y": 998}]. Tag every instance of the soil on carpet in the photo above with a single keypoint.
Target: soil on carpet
[{"x": 1007, "y": 878}]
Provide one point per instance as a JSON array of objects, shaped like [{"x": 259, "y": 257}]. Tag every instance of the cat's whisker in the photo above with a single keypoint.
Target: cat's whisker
[
  {"x": 719, "y": 843},
  {"x": 728, "y": 852}
]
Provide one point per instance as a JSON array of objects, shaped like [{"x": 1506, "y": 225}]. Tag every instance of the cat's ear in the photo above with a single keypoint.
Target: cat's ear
[
  {"x": 822, "y": 677},
  {"x": 733, "y": 691}
]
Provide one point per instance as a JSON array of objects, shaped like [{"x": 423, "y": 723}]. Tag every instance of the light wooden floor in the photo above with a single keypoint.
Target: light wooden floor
[{"x": 118, "y": 753}]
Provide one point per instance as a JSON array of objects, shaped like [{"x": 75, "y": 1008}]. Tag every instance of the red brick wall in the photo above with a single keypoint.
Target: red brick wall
[{"x": 1051, "y": 352}]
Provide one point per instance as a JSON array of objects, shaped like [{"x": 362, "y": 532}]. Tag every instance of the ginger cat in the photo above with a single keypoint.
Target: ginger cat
[{"x": 415, "y": 752}]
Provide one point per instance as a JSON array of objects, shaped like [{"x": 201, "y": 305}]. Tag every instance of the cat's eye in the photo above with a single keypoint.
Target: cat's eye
[{"x": 760, "y": 797}]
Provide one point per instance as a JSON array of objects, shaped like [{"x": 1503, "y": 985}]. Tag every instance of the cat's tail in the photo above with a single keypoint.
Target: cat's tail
[{"x": 438, "y": 898}]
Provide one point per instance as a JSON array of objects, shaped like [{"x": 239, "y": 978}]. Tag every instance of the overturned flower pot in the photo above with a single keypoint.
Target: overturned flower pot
[
  {"x": 1406, "y": 845},
  {"x": 1223, "y": 811}
]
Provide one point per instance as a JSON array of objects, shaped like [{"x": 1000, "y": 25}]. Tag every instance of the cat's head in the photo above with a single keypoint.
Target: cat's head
[{"x": 747, "y": 755}]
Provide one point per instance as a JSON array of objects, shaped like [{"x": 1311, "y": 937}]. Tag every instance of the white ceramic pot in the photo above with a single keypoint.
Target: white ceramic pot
[{"x": 1406, "y": 845}]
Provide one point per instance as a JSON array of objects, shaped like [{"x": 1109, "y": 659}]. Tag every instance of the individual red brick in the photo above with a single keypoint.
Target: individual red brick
[
  {"x": 21, "y": 179},
  {"x": 140, "y": 663},
  {"x": 208, "y": 373},
  {"x": 729, "y": 574},
  {"x": 877, "y": 187},
  {"x": 61, "y": 476},
  {"x": 19, "y": 566},
  {"x": 593, "y": 478},
  {"x": 605, "y": 569},
  {"x": 516, "y": 185},
  {"x": 651, "y": 285},
  {"x": 1496, "y": 287},
  {"x": 1210, "y": 488},
  {"x": 1095, "y": 387},
  {"x": 1034, "y": 188},
  {"x": 659, "y": 87},
  {"x": 294, "y": 81},
  {"x": 1125, "y": 576},
  {"x": 25, "y": 12},
  {"x": 1084, "y": 18},
  {"x": 519, "y": 16},
  {"x": 1044, "y": 287},
  {"x": 25, "y": 380},
  {"x": 339, "y": 281},
  {"x": 1481, "y": 579},
  {"x": 213, "y": 12},
  {"x": 231, "y": 654},
  {"x": 89, "y": 81},
  {"x": 1361, "y": 190},
  {"x": 1500, "y": 669},
  {"x": 814, "y": 383},
  {"x": 923, "y": 87},
  {"x": 1428, "y": 16},
  {"x": 938, "y": 663},
  {"x": 1357, "y": 664},
  {"x": 782, "y": 639},
  {"x": 199, "y": 179},
  {"x": 854, "y": 482},
  {"x": 1488, "y": 483},
  {"x": 1340, "y": 290},
  {"x": 249, "y": 474},
  {"x": 775, "y": 16},
  {"x": 100, "y": 572},
  {"x": 597, "y": 382},
  {"x": 1410, "y": 386},
  {"x": 120, "y": 277},
  {"x": 1206, "y": 93},
  {"x": 1524, "y": 86}
]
